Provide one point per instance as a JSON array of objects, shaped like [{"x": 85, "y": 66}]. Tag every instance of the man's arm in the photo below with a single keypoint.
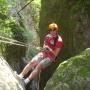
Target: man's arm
[{"x": 55, "y": 52}]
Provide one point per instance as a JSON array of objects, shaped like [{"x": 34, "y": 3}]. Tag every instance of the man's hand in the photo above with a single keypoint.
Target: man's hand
[{"x": 45, "y": 50}]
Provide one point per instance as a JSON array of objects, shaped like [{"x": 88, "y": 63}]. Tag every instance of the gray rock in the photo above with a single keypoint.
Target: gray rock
[
  {"x": 87, "y": 49},
  {"x": 8, "y": 79}
]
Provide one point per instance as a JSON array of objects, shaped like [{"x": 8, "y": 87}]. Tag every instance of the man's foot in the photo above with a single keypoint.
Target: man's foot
[
  {"x": 18, "y": 76},
  {"x": 27, "y": 80},
  {"x": 21, "y": 80}
]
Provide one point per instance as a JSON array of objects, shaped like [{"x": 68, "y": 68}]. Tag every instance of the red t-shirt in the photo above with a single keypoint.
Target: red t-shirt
[{"x": 49, "y": 41}]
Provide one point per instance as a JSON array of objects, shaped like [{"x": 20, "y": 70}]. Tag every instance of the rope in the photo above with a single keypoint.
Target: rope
[
  {"x": 9, "y": 39},
  {"x": 24, "y": 6},
  {"x": 12, "y": 43},
  {"x": 38, "y": 81},
  {"x": 16, "y": 42}
]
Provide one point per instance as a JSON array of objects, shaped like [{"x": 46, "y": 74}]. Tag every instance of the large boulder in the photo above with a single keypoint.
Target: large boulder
[
  {"x": 8, "y": 79},
  {"x": 72, "y": 74}
]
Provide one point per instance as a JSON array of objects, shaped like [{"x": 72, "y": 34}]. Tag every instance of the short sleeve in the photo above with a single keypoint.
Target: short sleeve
[
  {"x": 59, "y": 42},
  {"x": 46, "y": 40}
]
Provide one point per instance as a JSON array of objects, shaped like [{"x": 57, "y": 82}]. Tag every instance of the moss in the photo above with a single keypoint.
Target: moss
[{"x": 71, "y": 74}]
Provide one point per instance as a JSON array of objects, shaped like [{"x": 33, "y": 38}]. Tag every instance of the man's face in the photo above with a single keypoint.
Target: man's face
[{"x": 53, "y": 33}]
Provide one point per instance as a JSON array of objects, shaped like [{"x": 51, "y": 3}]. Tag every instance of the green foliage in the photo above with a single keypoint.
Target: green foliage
[
  {"x": 35, "y": 6},
  {"x": 35, "y": 12},
  {"x": 18, "y": 32},
  {"x": 28, "y": 34},
  {"x": 31, "y": 53},
  {"x": 5, "y": 29},
  {"x": 3, "y": 6},
  {"x": 5, "y": 22},
  {"x": 11, "y": 29},
  {"x": 8, "y": 27}
]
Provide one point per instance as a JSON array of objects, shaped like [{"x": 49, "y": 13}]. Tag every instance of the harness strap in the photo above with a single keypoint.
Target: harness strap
[{"x": 55, "y": 41}]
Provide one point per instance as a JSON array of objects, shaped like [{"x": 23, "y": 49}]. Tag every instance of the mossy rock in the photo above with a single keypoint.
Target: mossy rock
[{"x": 72, "y": 74}]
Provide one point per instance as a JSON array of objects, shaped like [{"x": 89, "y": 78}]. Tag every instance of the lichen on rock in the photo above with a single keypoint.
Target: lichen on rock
[{"x": 72, "y": 74}]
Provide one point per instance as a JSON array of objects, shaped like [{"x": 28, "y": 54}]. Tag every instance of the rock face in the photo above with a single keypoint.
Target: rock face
[
  {"x": 73, "y": 74},
  {"x": 73, "y": 18},
  {"x": 8, "y": 79}
]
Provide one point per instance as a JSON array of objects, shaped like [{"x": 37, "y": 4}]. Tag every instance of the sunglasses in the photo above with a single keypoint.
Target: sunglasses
[{"x": 53, "y": 30}]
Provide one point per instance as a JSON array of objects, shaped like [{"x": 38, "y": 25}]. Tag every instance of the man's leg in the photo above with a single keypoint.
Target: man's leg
[
  {"x": 28, "y": 68},
  {"x": 42, "y": 65},
  {"x": 34, "y": 73},
  {"x": 31, "y": 64}
]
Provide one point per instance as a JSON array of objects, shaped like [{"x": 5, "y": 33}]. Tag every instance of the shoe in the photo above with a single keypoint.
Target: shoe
[
  {"x": 17, "y": 76},
  {"x": 20, "y": 80},
  {"x": 29, "y": 86},
  {"x": 23, "y": 82}
]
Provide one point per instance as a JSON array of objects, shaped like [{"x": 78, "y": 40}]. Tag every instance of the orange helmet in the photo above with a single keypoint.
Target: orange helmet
[{"x": 53, "y": 26}]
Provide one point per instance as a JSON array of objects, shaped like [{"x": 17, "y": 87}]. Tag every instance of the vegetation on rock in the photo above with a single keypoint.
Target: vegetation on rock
[{"x": 73, "y": 74}]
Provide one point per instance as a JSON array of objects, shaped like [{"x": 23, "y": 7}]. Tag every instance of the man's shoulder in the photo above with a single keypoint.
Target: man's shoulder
[
  {"x": 60, "y": 38},
  {"x": 48, "y": 35}
]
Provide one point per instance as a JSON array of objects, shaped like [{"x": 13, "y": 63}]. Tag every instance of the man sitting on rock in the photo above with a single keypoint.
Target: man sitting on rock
[{"x": 51, "y": 47}]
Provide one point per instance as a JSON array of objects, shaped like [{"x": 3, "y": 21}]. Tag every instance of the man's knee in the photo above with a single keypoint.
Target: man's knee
[
  {"x": 32, "y": 63},
  {"x": 39, "y": 67}
]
